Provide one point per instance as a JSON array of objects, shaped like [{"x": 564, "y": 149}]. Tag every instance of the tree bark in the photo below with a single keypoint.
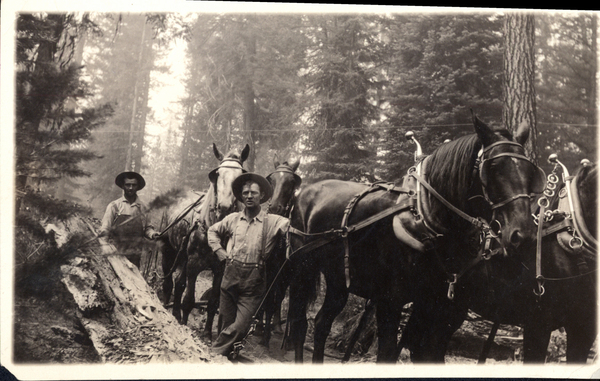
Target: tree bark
[
  {"x": 128, "y": 161},
  {"x": 250, "y": 123},
  {"x": 122, "y": 315},
  {"x": 519, "y": 77}
]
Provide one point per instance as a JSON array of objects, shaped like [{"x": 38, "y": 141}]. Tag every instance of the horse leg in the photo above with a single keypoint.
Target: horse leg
[
  {"x": 297, "y": 323},
  {"x": 579, "y": 341},
  {"x": 536, "y": 337},
  {"x": 581, "y": 324},
  {"x": 268, "y": 312},
  {"x": 432, "y": 324},
  {"x": 213, "y": 302},
  {"x": 335, "y": 300},
  {"x": 581, "y": 333},
  {"x": 279, "y": 296},
  {"x": 388, "y": 315},
  {"x": 180, "y": 277},
  {"x": 277, "y": 318},
  {"x": 168, "y": 255},
  {"x": 189, "y": 299}
]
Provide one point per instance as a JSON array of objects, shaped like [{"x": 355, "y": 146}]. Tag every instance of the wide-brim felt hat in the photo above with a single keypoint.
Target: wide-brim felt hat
[
  {"x": 120, "y": 179},
  {"x": 263, "y": 183}
]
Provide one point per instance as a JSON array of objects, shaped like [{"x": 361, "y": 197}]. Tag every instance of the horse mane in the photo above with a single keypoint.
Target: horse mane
[
  {"x": 207, "y": 205},
  {"x": 586, "y": 179},
  {"x": 450, "y": 168}
]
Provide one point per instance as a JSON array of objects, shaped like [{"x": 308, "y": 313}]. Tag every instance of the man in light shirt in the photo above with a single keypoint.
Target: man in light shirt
[
  {"x": 126, "y": 221},
  {"x": 251, "y": 236}
]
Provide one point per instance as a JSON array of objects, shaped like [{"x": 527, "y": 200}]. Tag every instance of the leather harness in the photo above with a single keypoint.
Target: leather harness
[{"x": 414, "y": 203}]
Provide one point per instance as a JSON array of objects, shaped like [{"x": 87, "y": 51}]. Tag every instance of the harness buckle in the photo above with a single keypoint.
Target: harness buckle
[
  {"x": 344, "y": 232},
  {"x": 575, "y": 243},
  {"x": 451, "y": 287},
  {"x": 540, "y": 286}
]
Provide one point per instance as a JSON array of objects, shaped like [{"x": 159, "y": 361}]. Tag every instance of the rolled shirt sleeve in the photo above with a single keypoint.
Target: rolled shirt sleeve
[{"x": 219, "y": 231}]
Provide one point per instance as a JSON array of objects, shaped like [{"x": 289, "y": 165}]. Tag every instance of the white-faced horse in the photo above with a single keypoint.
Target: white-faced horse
[{"x": 185, "y": 250}]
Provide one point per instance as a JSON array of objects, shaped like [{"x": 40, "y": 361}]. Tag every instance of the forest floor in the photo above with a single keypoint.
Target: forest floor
[{"x": 47, "y": 330}]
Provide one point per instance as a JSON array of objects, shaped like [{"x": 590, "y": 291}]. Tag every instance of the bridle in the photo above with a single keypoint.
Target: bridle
[
  {"x": 488, "y": 236},
  {"x": 482, "y": 161},
  {"x": 285, "y": 168},
  {"x": 228, "y": 162}
]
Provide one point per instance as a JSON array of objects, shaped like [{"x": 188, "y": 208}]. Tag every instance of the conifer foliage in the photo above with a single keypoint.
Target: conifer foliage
[{"x": 52, "y": 126}]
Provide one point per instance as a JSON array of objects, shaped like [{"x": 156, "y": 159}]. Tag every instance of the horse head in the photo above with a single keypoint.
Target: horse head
[
  {"x": 222, "y": 177},
  {"x": 285, "y": 182},
  {"x": 509, "y": 180}
]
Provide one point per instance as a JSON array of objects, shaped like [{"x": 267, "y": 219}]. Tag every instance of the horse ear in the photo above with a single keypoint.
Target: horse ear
[
  {"x": 522, "y": 133},
  {"x": 485, "y": 133},
  {"x": 245, "y": 153},
  {"x": 295, "y": 164},
  {"x": 218, "y": 154},
  {"x": 275, "y": 161}
]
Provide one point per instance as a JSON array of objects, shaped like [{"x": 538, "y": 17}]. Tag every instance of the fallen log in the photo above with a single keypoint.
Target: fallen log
[{"x": 122, "y": 315}]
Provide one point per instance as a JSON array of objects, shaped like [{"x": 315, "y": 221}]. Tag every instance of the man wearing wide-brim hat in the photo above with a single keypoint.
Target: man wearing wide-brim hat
[
  {"x": 125, "y": 220},
  {"x": 252, "y": 235}
]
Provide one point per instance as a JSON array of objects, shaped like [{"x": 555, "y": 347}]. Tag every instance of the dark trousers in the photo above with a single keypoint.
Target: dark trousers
[{"x": 242, "y": 290}]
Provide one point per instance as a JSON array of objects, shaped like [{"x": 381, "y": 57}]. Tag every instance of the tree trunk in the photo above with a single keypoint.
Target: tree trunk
[
  {"x": 519, "y": 76},
  {"x": 139, "y": 146},
  {"x": 128, "y": 161},
  {"x": 249, "y": 96},
  {"x": 186, "y": 141},
  {"x": 122, "y": 315},
  {"x": 594, "y": 93}
]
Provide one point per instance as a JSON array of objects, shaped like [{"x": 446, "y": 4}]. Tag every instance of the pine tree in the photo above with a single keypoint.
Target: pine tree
[
  {"x": 442, "y": 66},
  {"x": 341, "y": 75},
  {"x": 52, "y": 127},
  {"x": 242, "y": 87},
  {"x": 566, "y": 84}
]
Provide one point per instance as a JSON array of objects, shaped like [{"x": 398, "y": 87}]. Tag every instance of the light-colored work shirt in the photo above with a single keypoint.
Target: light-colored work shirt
[
  {"x": 119, "y": 211},
  {"x": 246, "y": 237}
]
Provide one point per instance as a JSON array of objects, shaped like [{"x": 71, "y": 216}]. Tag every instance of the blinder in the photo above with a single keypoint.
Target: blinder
[
  {"x": 287, "y": 169},
  {"x": 537, "y": 181},
  {"x": 226, "y": 163}
]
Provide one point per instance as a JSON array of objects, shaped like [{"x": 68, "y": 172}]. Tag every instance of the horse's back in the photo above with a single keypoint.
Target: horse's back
[
  {"x": 176, "y": 214},
  {"x": 322, "y": 205}
]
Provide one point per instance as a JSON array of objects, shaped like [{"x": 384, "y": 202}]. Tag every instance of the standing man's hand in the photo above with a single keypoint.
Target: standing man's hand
[
  {"x": 221, "y": 254},
  {"x": 155, "y": 235}
]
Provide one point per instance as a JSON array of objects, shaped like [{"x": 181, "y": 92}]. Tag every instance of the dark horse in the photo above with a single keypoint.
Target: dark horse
[
  {"x": 385, "y": 263},
  {"x": 185, "y": 251},
  {"x": 285, "y": 183},
  {"x": 567, "y": 270}
]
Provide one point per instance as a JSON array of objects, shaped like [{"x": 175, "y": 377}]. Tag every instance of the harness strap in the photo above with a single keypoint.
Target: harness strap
[
  {"x": 558, "y": 226},
  {"x": 538, "y": 254},
  {"x": 334, "y": 234},
  {"x": 576, "y": 214},
  {"x": 344, "y": 227},
  {"x": 182, "y": 215},
  {"x": 475, "y": 221},
  {"x": 509, "y": 200}
]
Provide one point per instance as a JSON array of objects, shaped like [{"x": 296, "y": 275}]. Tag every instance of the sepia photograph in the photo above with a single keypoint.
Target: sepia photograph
[{"x": 222, "y": 190}]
